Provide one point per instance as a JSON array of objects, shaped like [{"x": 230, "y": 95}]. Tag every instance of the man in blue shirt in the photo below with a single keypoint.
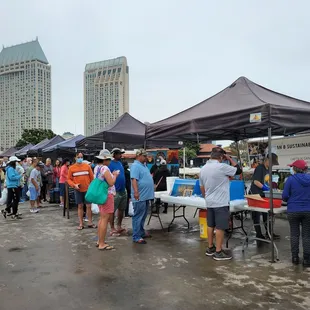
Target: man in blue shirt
[
  {"x": 142, "y": 191},
  {"x": 120, "y": 199}
]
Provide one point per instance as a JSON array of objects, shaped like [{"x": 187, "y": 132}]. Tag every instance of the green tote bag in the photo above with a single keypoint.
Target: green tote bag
[{"x": 97, "y": 191}]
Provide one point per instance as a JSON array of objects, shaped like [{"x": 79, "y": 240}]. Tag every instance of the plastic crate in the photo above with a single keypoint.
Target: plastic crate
[{"x": 264, "y": 203}]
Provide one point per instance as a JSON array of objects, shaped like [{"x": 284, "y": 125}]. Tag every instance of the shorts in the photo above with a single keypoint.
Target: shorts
[
  {"x": 108, "y": 207},
  {"x": 218, "y": 217},
  {"x": 62, "y": 187},
  {"x": 34, "y": 194},
  {"x": 80, "y": 198},
  {"x": 120, "y": 201}
]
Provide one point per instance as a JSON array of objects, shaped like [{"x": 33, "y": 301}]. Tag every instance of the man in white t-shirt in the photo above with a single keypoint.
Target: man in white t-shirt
[{"x": 214, "y": 185}]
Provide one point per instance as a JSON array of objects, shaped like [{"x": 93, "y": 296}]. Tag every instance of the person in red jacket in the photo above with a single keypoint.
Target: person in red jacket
[{"x": 80, "y": 176}]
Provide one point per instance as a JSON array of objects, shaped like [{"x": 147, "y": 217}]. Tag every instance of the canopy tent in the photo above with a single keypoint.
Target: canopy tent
[
  {"x": 126, "y": 132},
  {"x": 37, "y": 149},
  {"x": 242, "y": 110},
  {"x": 23, "y": 151},
  {"x": 10, "y": 152},
  {"x": 226, "y": 116},
  {"x": 67, "y": 145}
]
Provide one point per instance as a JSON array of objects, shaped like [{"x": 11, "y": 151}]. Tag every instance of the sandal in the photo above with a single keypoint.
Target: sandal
[
  {"x": 92, "y": 226},
  {"x": 147, "y": 236},
  {"x": 114, "y": 233},
  {"x": 122, "y": 230},
  {"x": 80, "y": 227},
  {"x": 106, "y": 248},
  {"x": 141, "y": 241}
]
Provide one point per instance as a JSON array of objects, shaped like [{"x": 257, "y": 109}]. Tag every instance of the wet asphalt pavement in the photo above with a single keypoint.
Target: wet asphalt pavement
[{"x": 45, "y": 263}]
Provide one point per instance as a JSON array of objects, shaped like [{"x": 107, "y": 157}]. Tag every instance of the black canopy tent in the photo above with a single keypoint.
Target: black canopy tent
[
  {"x": 23, "y": 151},
  {"x": 126, "y": 132},
  {"x": 37, "y": 149},
  {"x": 66, "y": 148},
  {"x": 226, "y": 116},
  {"x": 10, "y": 152}
]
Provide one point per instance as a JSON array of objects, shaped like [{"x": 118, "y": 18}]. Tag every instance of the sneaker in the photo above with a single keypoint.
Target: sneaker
[
  {"x": 61, "y": 205},
  {"x": 16, "y": 217},
  {"x": 221, "y": 256},
  {"x": 31, "y": 210},
  {"x": 306, "y": 263},
  {"x": 210, "y": 251},
  {"x": 22, "y": 201},
  {"x": 85, "y": 219},
  {"x": 295, "y": 260},
  {"x": 36, "y": 210},
  {"x": 3, "y": 212}
]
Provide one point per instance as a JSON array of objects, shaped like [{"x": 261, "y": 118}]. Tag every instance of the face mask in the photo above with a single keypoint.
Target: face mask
[
  {"x": 79, "y": 160},
  {"x": 292, "y": 170}
]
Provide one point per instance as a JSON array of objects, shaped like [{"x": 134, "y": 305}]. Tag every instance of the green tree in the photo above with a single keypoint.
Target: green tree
[
  {"x": 34, "y": 136},
  {"x": 191, "y": 150},
  {"x": 243, "y": 149}
]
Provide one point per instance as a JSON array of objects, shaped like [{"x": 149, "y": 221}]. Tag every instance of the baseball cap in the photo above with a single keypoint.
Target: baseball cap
[
  {"x": 300, "y": 164},
  {"x": 141, "y": 152},
  {"x": 117, "y": 150},
  {"x": 40, "y": 164}
]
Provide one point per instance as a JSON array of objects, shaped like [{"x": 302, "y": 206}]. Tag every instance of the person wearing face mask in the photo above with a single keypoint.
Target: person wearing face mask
[
  {"x": 63, "y": 179},
  {"x": 155, "y": 167},
  {"x": 80, "y": 176},
  {"x": 297, "y": 195},
  {"x": 261, "y": 184}
]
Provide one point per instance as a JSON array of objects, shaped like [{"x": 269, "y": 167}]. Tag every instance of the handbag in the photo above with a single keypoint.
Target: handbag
[{"x": 97, "y": 191}]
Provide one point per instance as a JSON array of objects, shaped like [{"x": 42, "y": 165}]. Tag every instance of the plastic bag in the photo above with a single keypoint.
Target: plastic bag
[
  {"x": 94, "y": 208},
  {"x": 28, "y": 193},
  {"x": 4, "y": 196},
  {"x": 130, "y": 209}
]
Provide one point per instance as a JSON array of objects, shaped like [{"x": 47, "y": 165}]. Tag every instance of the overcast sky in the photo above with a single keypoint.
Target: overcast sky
[{"x": 179, "y": 52}]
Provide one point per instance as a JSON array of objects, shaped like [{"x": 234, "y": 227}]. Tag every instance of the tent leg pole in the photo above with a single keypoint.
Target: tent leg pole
[
  {"x": 238, "y": 152},
  {"x": 271, "y": 195},
  {"x": 184, "y": 158}
]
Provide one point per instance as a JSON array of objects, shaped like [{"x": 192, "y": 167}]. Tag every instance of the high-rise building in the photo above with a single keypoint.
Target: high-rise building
[
  {"x": 25, "y": 91},
  {"x": 106, "y": 93}
]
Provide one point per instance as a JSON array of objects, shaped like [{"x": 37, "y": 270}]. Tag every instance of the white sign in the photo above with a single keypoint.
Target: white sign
[
  {"x": 292, "y": 148},
  {"x": 255, "y": 118}
]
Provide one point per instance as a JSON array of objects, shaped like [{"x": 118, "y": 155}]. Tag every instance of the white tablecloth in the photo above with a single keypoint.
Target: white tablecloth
[{"x": 198, "y": 202}]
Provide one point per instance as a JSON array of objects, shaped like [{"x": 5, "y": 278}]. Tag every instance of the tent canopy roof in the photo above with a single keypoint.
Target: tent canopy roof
[
  {"x": 64, "y": 145},
  {"x": 125, "y": 131},
  {"x": 46, "y": 143},
  {"x": 23, "y": 151},
  {"x": 226, "y": 115},
  {"x": 10, "y": 152}
]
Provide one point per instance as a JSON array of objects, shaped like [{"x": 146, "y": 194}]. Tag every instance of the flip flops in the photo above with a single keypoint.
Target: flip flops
[
  {"x": 80, "y": 227},
  {"x": 106, "y": 248},
  {"x": 141, "y": 241},
  {"x": 92, "y": 226}
]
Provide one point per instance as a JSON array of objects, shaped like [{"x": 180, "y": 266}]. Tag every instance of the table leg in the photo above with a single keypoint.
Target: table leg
[
  {"x": 157, "y": 214},
  {"x": 174, "y": 216},
  {"x": 195, "y": 212}
]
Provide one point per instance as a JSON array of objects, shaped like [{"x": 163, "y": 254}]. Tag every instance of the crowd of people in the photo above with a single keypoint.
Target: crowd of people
[{"x": 33, "y": 178}]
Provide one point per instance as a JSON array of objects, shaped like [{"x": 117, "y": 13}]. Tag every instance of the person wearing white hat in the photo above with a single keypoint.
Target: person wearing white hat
[
  {"x": 12, "y": 184},
  {"x": 103, "y": 173}
]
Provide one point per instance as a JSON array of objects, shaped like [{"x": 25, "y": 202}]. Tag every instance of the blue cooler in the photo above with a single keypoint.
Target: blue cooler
[{"x": 236, "y": 190}]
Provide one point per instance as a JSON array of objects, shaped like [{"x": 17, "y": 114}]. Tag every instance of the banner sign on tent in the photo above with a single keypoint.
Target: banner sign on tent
[{"x": 255, "y": 118}]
